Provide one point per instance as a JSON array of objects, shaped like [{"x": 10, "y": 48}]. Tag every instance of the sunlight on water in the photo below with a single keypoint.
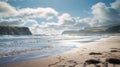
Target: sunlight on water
[{"x": 28, "y": 47}]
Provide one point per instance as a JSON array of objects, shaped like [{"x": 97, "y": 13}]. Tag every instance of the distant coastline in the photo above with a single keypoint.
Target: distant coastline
[{"x": 101, "y": 30}]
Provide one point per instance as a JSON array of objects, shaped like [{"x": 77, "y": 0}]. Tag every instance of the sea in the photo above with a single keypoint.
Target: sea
[{"x": 21, "y": 48}]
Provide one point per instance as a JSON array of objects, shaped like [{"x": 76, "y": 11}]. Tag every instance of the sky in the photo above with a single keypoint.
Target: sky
[{"x": 56, "y": 16}]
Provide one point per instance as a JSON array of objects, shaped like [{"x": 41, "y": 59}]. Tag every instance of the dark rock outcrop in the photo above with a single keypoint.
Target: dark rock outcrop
[{"x": 14, "y": 30}]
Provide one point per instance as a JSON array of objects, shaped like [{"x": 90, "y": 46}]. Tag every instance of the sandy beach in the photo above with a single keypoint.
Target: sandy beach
[{"x": 102, "y": 53}]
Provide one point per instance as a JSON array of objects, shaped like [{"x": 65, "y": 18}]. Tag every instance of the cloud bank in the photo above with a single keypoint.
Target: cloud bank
[
  {"x": 104, "y": 15},
  {"x": 101, "y": 15}
]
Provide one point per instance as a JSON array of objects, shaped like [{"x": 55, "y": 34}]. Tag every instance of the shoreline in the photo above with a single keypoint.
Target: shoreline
[
  {"x": 67, "y": 43},
  {"x": 75, "y": 57}
]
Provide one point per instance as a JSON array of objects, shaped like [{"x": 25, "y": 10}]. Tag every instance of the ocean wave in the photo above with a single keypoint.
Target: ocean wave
[{"x": 13, "y": 53}]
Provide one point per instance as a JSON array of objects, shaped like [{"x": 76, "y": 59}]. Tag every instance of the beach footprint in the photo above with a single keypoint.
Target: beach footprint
[
  {"x": 113, "y": 61},
  {"x": 92, "y": 61},
  {"x": 114, "y": 51},
  {"x": 95, "y": 53}
]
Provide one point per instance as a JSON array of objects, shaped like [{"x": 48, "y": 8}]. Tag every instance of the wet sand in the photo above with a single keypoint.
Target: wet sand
[{"x": 102, "y": 53}]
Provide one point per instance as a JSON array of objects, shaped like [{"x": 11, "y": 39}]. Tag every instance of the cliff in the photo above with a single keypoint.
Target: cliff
[{"x": 14, "y": 30}]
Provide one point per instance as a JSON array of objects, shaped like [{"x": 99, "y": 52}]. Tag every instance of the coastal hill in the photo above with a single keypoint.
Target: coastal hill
[
  {"x": 111, "y": 29},
  {"x": 14, "y": 30}
]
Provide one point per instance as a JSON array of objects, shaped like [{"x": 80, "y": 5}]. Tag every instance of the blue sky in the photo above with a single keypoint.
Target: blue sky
[
  {"x": 74, "y": 7},
  {"x": 55, "y": 16}
]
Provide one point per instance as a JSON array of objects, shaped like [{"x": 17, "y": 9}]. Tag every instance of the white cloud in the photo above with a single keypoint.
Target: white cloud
[
  {"x": 82, "y": 23},
  {"x": 47, "y": 13},
  {"x": 100, "y": 10},
  {"x": 65, "y": 19},
  {"x": 15, "y": 21},
  {"x": 104, "y": 15},
  {"x": 29, "y": 22},
  {"x": 6, "y": 9}
]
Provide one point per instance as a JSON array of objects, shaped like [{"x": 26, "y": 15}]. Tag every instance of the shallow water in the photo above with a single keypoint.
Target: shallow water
[{"x": 21, "y": 48}]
